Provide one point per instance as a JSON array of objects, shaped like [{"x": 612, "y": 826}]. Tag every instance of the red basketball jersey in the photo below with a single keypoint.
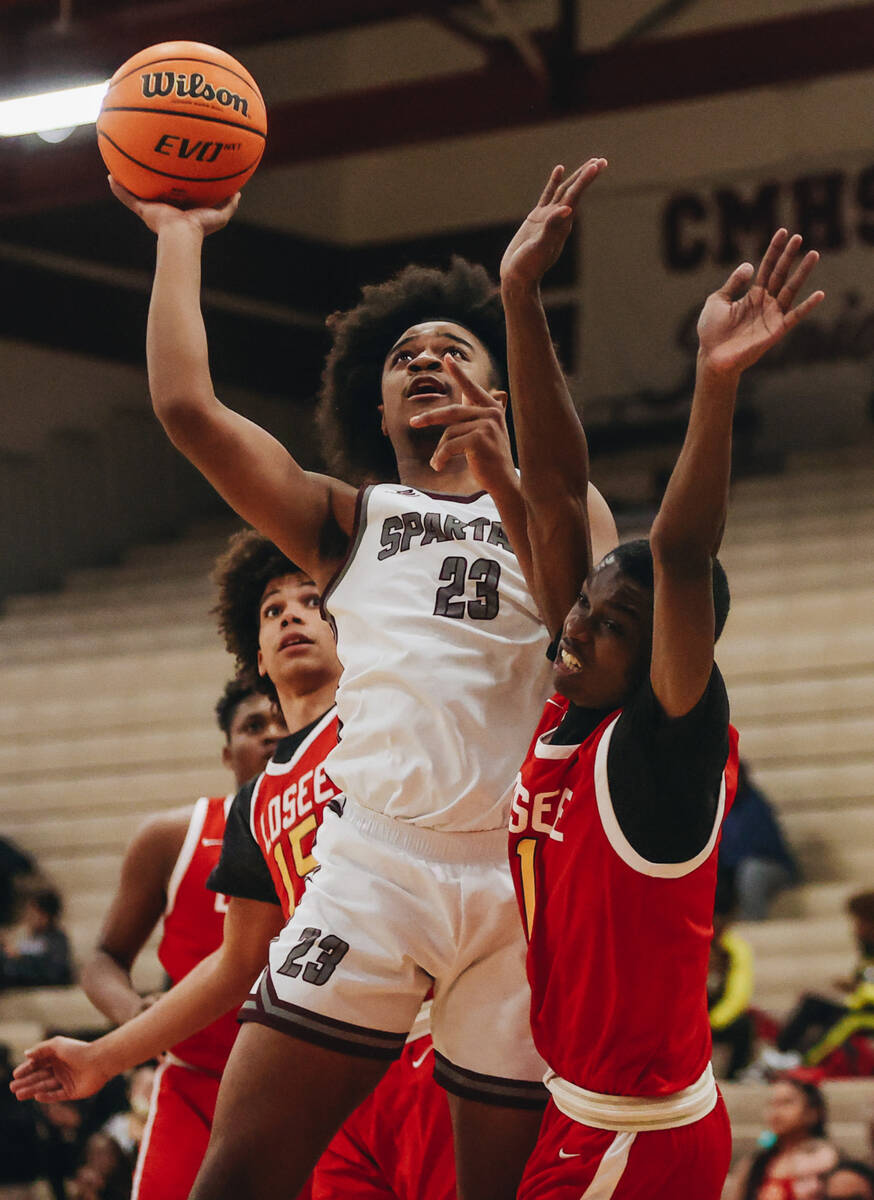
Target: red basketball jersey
[
  {"x": 193, "y": 926},
  {"x": 618, "y": 947},
  {"x": 287, "y": 808}
]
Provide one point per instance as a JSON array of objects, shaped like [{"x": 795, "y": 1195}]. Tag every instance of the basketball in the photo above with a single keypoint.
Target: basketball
[{"x": 183, "y": 123}]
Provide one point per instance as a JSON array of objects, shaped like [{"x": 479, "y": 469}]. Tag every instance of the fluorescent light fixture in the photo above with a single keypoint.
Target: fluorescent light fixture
[{"x": 51, "y": 110}]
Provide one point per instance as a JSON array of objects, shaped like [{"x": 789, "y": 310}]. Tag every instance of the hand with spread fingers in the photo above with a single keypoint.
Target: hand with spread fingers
[
  {"x": 737, "y": 327},
  {"x": 540, "y": 238},
  {"x": 60, "y": 1069},
  {"x": 476, "y": 428},
  {"x": 156, "y": 216}
]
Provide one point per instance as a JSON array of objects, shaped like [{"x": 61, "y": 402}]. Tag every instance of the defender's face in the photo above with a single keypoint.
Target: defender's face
[
  {"x": 415, "y": 379},
  {"x": 255, "y": 729},
  {"x": 605, "y": 647},
  {"x": 295, "y": 645}
]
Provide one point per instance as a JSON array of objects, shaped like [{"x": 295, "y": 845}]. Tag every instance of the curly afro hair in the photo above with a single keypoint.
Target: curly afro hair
[
  {"x": 242, "y": 573},
  {"x": 347, "y": 412}
]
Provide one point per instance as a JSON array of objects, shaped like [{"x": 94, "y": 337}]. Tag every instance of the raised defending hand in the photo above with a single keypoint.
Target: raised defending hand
[
  {"x": 540, "y": 238},
  {"x": 59, "y": 1069},
  {"x": 156, "y": 216},
  {"x": 477, "y": 428},
  {"x": 736, "y": 327}
]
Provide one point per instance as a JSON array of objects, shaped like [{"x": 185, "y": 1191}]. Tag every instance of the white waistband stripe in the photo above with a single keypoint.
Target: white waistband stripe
[{"x": 634, "y": 1114}]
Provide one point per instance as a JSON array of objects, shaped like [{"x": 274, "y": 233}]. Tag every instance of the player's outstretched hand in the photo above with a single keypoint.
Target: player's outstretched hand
[
  {"x": 540, "y": 238},
  {"x": 59, "y": 1069},
  {"x": 156, "y": 216},
  {"x": 753, "y": 309},
  {"x": 477, "y": 428}
]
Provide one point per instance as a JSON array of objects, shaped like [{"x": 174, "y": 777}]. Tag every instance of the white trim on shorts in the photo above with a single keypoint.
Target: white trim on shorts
[
  {"x": 635, "y": 1114},
  {"x": 147, "y": 1129}
]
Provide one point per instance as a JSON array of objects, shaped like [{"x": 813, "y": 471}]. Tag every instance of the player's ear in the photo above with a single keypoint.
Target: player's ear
[
  {"x": 262, "y": 670},
  {"x": 226, "y": 757},
  {"x": 501, "y": 396},
  {"x": 382, "y": 427}
]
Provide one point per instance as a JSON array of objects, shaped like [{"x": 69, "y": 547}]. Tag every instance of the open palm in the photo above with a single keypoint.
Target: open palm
[
  {"x": 540, "y": 238},
  {"x": 736, "y": 327},
  {"x": 60, "y": 1069}
]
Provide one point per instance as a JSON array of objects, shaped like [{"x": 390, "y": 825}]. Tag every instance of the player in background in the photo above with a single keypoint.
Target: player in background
[
  {"x": 617, "y": 808},
  {"x": 399, "y": 1142},
  {"x": 163, "y": 876},
  {"x": 435, "y": 626}
]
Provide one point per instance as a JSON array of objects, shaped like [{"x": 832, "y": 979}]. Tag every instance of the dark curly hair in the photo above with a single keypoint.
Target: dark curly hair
[
  {"x": 238, "y": 689},
  {"x": 242, "y": 573},
  {"x": 347, "y": 411}
]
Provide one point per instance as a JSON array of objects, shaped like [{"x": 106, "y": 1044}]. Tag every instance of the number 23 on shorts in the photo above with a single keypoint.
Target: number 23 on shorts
[{"x": 331, "y": 950}]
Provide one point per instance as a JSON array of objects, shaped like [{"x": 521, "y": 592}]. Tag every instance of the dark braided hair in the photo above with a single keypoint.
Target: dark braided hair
[{"x": 347, "y": 412}]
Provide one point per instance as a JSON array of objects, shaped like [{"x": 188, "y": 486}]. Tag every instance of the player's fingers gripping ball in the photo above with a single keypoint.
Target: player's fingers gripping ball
[{"x": 182, "y": 123}]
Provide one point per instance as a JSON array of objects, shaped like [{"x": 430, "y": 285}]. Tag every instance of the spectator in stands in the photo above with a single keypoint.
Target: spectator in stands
[
  {"x": 850, "y": 1180},
  {"x": 19, "y": 1137},
  {"x": 796, "y": 1117},
  {"x": 753, "y": 851},
  {"x": 730, "y": 984},
  {"x": 40, "y": 955},
  {"x": 126, "y": 1128},
  {"x": 818, "y": 1025},
  {"x": 812, "y": 1167},
  {"x": 14, "y": 865},
  {"x": 105, "y": 1173}
]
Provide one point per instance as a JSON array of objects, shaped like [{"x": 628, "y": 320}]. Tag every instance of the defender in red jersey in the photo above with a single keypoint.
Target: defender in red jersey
[
  {"x": 617, "y": 809},
  {"x": 165, "y": 871}
]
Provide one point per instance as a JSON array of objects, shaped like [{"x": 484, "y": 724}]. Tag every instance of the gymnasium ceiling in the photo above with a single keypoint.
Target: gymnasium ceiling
[
  {"x": 343, "y": 78},
  {"x": 482, "y": 66}
]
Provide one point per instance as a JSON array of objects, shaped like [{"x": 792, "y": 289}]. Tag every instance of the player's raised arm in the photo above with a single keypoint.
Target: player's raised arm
[
  {"x": 566, "y": 520},
  {"x": 67, "y": 1069},
  {"x": 254, "y": 472},
  {"x": 738, "y": 324}
]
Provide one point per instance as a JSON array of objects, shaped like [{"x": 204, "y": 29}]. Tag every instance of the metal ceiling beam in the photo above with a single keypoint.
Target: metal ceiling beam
[{"x": 500, "y": 95}]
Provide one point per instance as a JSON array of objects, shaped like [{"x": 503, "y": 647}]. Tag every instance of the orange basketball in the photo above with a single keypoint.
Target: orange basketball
[{"x": 183, "y": 123}]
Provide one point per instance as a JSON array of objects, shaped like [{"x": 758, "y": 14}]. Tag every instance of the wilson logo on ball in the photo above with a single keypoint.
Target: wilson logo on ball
[{"x": 193, "y": 87}]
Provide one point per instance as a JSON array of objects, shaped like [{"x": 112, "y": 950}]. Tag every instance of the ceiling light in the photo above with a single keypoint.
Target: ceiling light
[{"x": 51, "y": 110}]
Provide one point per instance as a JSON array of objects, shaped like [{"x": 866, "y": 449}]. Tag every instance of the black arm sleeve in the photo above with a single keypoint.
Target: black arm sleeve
[
  {"x": 665, "y": 774},
  {"x": 241, "y": 869}
]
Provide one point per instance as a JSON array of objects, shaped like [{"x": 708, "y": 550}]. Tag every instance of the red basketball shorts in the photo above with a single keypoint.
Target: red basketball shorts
[
  {"x": 176, "y": 1134},
  {"x": 576, "y": 1162},
  {"x": 398, "y": 1143}
]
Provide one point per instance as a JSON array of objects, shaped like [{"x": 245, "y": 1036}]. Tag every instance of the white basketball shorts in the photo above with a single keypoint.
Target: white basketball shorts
[{"x": 391, "y": 910}]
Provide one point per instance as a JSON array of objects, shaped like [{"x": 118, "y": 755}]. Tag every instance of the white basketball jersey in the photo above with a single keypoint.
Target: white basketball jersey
[{"x": 444, "y": 660}]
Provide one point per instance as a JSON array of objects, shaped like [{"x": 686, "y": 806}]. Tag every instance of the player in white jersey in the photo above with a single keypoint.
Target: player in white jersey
[{"x": 436, "y": 629}]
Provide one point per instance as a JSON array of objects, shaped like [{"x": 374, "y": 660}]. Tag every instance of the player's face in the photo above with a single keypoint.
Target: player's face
[
  {"x": 415, "y": 379},
  {"x": 255, "y": 729},
  {"x": 296, "y": 647},
  {"x": 606, "y": 643}
]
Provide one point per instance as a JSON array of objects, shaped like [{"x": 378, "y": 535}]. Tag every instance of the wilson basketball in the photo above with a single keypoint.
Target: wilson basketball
[{"x": 183, "y": 123}]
